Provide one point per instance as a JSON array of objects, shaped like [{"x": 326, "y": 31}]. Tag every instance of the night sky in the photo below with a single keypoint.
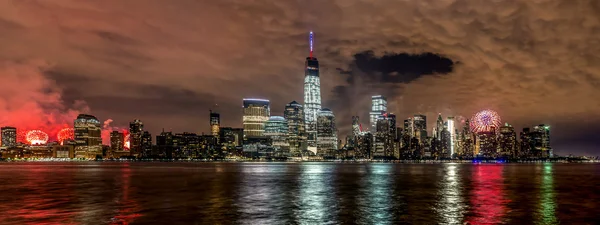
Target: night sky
[{"x": 169, "y": 62}]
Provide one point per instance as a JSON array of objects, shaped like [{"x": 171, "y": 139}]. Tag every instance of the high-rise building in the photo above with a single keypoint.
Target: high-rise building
[
  {"x": 439, "y": 125},
  {"x": 526, "y": 147},
  {"x": 231, "y": 138},
  {"x": 408, "y": 127},
  {"x": 117, "y": 141},
  {"x": 485, "y": 144},
  {"x": 88, "y": 136},
  {"x": 312, "y": 96},
  {"x": 452, "y": 130},
  {"x": 136, "y": 129},
  {"x": 326, "y": 133},
  {"x": 165, "y": 144},
  {"x": 507, "y": 141},
  {"x": 420, "y": 128},
  {"x": 378, "y": 108},
  {"x": 9, "y": 136},
  {"x": 356, "y": 128},
  {"x": 146, "y": 144},
  {"x": 277, "y": 129},
  {"x": 256, "y": 114},
  {"x": 541, "y": 141},
  {"x": 215, "y": 123},
  {"x": 294, "y": 115},
  {"x": 385, "y": 136}
]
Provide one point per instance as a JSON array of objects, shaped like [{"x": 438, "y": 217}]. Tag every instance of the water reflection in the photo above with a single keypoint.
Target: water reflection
[
  {"x": 546, "y": 213},
  {"x": 487, "y": 197},
  {"x": 375, "y": 198},
  {"x": 450, "y": 207},
  {"x": 317, "y": 204},
  {"x": 260, "y": 196},
  {"x": 127, "y": 208}
]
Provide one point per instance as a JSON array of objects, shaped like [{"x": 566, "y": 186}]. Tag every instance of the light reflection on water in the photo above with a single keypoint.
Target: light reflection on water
[
  {"x": 298, "y": 193},
  {"x": 450, "y": 208},
  {"x": 547, "y": 207},
  {"x": 376, "y": 195}
]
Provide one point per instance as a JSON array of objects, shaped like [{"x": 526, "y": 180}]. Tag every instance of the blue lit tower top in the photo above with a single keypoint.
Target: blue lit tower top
[{"x": 312, "y": 94}]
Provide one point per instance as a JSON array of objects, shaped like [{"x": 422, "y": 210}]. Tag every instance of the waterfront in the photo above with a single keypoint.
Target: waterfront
[{"x": 298, "y": 193}]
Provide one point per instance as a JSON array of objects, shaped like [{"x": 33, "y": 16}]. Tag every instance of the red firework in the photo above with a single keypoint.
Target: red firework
[
  {"x": 21, "y": 136},
  {"x": 126, "y": 143},
  {"x": 484, "y": 120},
  {"x": 64, "y": 134},
  {"x": 36, "y": 137}
]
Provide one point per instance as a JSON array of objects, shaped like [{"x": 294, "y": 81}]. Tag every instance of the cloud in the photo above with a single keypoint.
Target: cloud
[
  {"x": 532, "y": 61},
  {"x": 29, "y": 100}
]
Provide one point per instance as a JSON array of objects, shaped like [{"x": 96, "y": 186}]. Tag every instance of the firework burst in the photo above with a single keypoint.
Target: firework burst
[
  {"x": 484, "y": 120},
  {"x": 36, "y": 137},
  {"x": 65, "y": 134}
]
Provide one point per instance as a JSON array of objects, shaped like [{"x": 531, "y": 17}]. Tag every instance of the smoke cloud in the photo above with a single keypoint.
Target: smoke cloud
[
  {"x": 29, "y": 100},
  {"x": 107, "y": 128}
]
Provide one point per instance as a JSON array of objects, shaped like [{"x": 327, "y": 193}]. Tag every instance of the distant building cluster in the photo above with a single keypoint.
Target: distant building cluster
[{"x": 303, "y": 131}]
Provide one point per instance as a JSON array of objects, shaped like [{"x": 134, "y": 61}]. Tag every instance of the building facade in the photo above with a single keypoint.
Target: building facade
[
  {"x": 312, "y": 96},
  {"x": 327, "y": 140},
  {"x": 215, "y": 123},
  {"x": 9, "y": 136},
  {"x": 378, "y": 108},
  {"x": 277, "y": 129},
  {"x": 88, "y": 136},
  {"x": 136, "y": 129},
  {"x": 294, "y": 115},
  {"x": 256, "y": 113}
]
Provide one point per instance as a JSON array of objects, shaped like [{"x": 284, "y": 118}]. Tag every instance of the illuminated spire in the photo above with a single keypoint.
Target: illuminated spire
[{"x": 311, "y": 39}]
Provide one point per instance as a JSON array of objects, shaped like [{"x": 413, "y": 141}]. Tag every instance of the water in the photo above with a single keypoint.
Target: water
[{"x": 298, "y": 193}]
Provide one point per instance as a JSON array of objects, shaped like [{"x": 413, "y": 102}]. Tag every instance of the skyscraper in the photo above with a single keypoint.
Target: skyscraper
[
  {"x": 439, "y": 127},
  {"x": 117, "y": 141},
  {"x": 146, "y": 144},
  {"x": 507, "y": 140},
  {"x": 256, "y": 114},
  {"x": 356, "y": 128},
  {"x": 294, "y": 115},
  {"x": 312, "y": 96},
  {"x": 136, "y": 129},
  {"x": 420, "y": 127},
  {"x": 326, "y": 134},
  {"x": 9, "y": 136},
  {"x": 541, "y": 141},
  {"x": 384, "y": 136},
  {"x": 88, "y": 136},
  {"x": 452, "y": 130},
  {"x": 378, "y": 108},
  {"x": 215, "y": 123},
  {"x": 277, "y": 129}
]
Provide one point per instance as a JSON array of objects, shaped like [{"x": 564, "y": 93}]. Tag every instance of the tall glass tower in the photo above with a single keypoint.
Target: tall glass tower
[
  {"x": 312, "y": 96},
  {"x": 378, "y": 108}
]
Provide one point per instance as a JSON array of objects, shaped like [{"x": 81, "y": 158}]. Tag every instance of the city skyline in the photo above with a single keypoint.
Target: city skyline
[{"x": 168, "y": 72}]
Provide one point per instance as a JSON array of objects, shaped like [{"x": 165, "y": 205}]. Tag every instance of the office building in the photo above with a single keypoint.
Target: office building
[
  {"x": 88, "y": 137},
  {"x": 215, "y": 123},
  {"x": 136, "y": 129},
  {"x": 9, "y": 136},
  {"x": 312, "y": 96},
  {"x": 378, "y": 108},
  {"x": 256, "y": 114},
  {"x": 507, "y": 141},
  {"x": 294, "y": 115},
  {"x": 541, "y": 141},
  {"x": 117, "y": 141},
  {"x": 326, "y": 134},
  {"x": 277, "y": 129},
  {"x": 419, "y": 123}
]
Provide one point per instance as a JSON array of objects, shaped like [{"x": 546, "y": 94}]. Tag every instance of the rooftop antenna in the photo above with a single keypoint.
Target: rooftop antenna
[{"x": 311, "y": 39}]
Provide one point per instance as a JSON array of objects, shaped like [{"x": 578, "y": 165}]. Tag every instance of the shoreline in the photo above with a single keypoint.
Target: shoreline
[{"x": 473, "y": 161}]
